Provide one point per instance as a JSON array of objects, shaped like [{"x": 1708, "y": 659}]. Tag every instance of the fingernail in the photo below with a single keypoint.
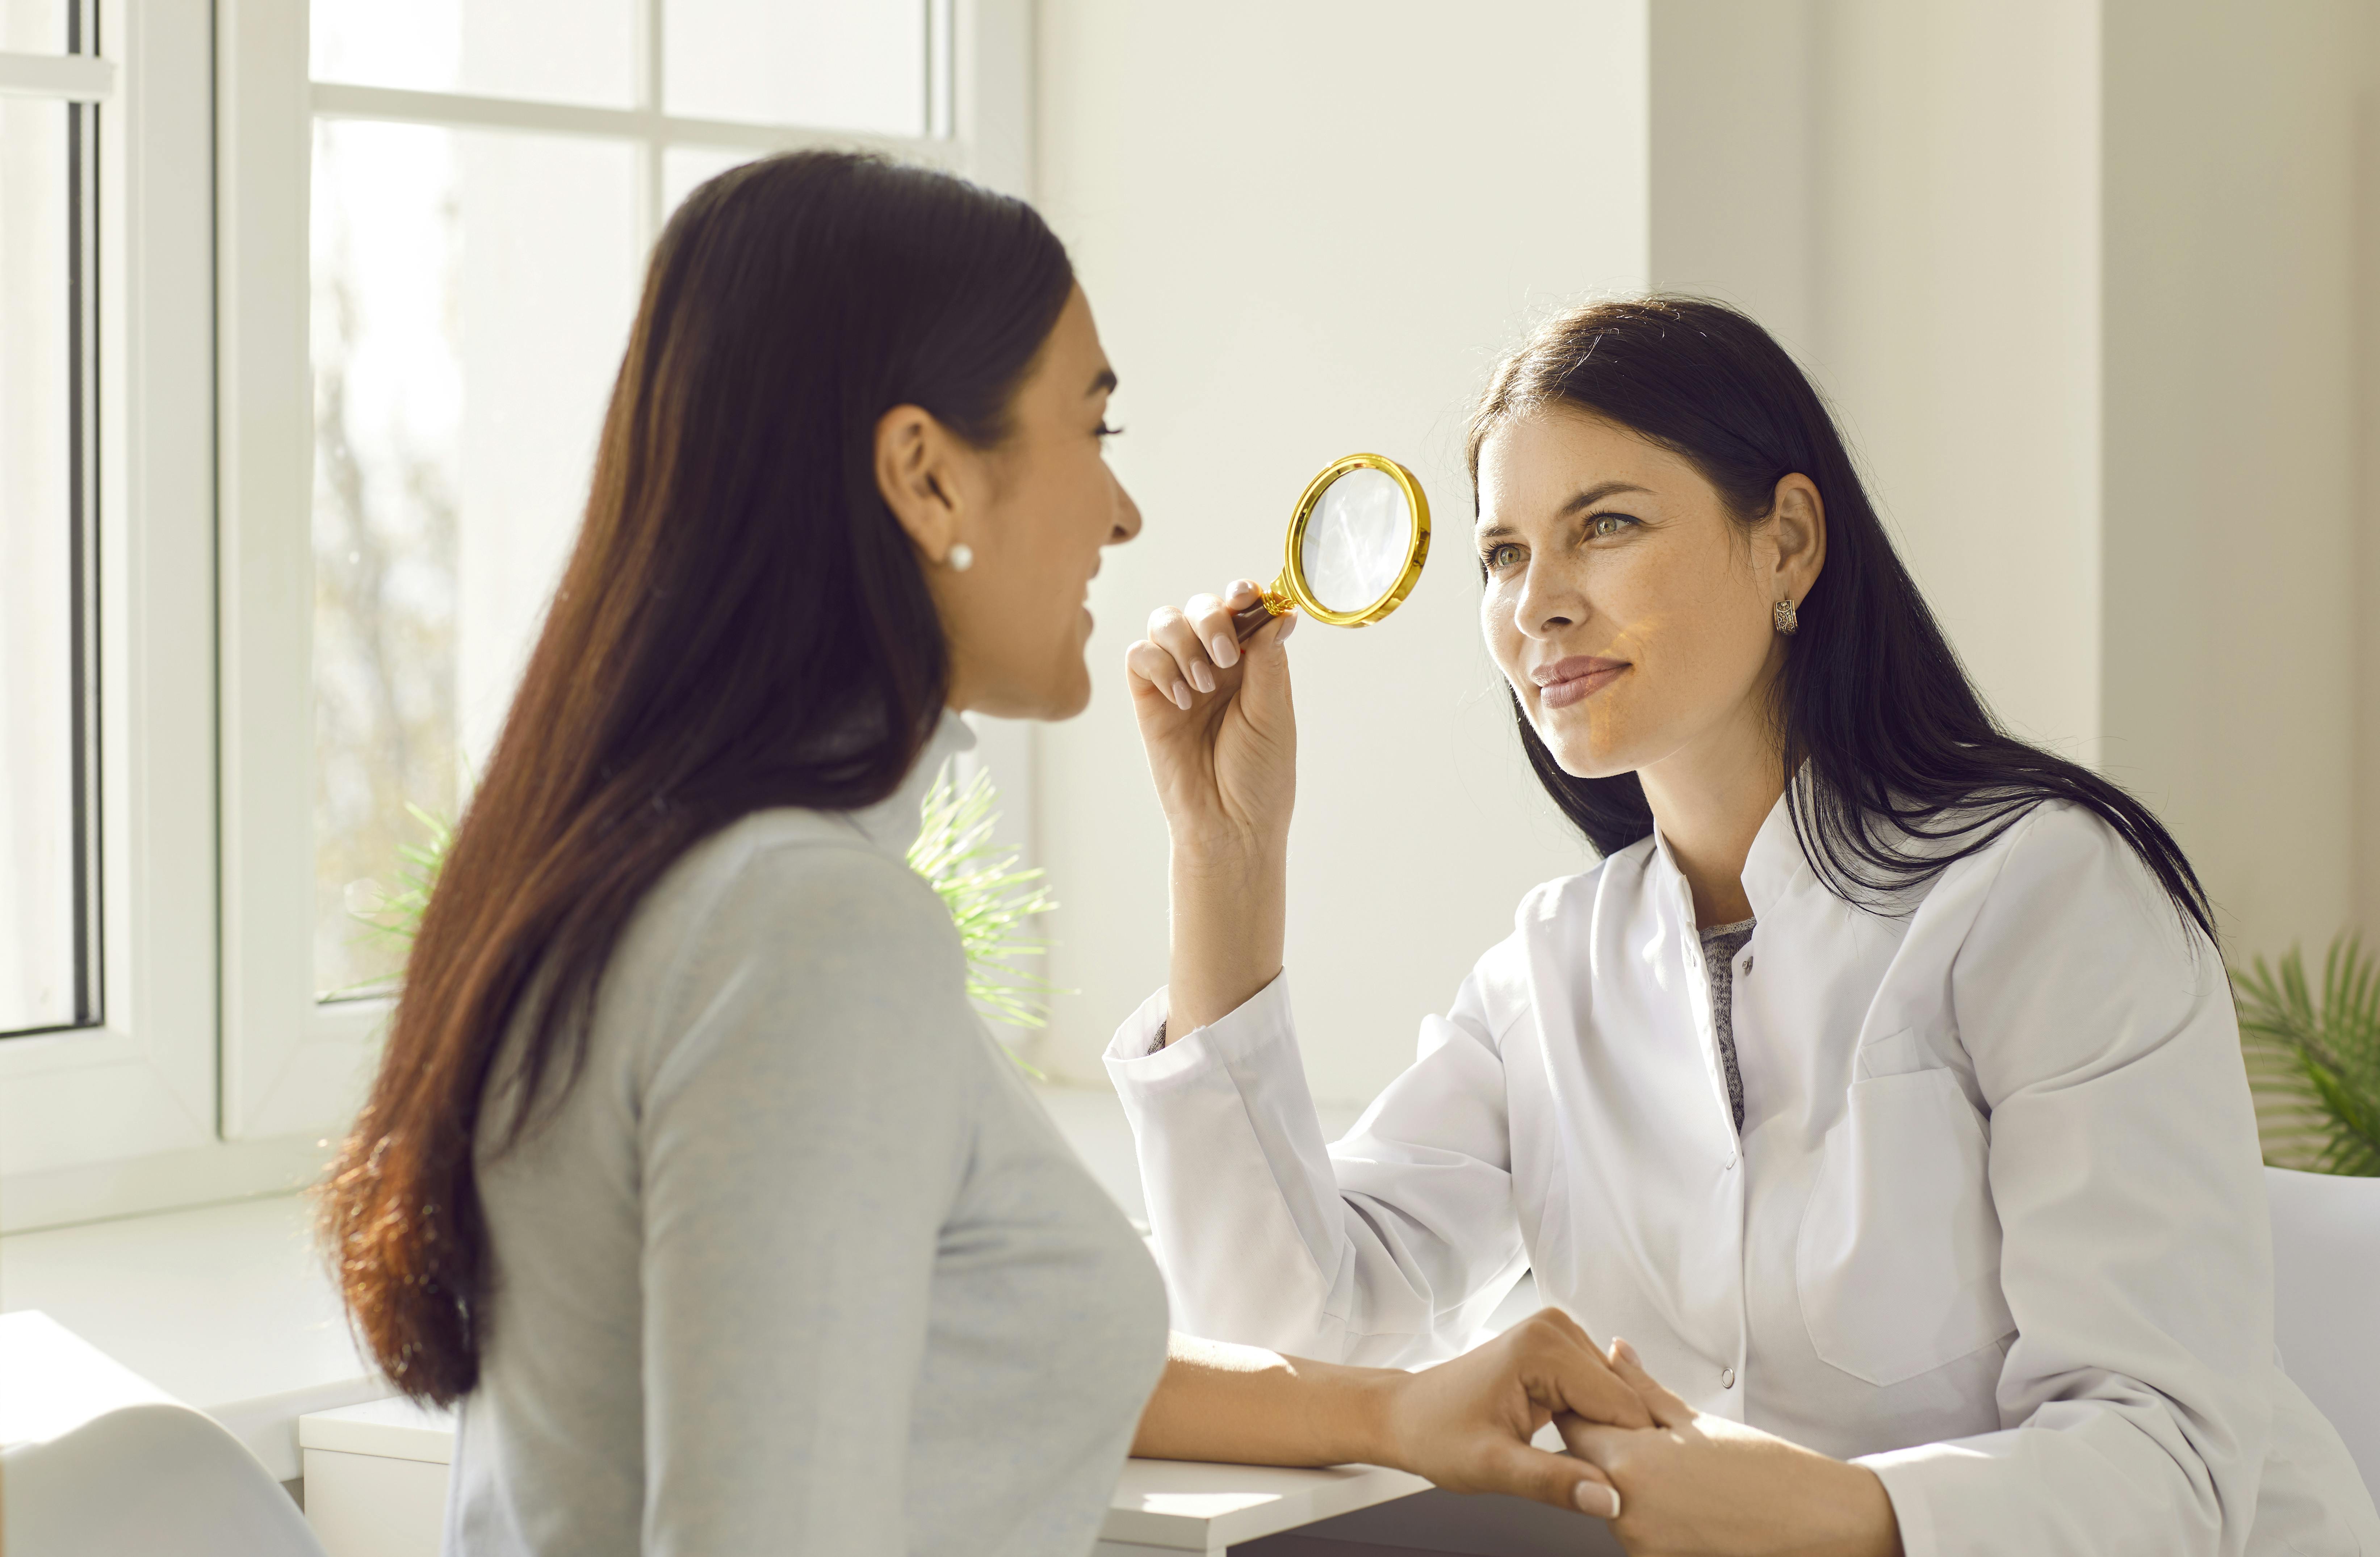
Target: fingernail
[
  {"x": 1202, "y": 678},
  {"x": 1594, "y": 1498},
  {"x": 1288, "y": 625},
  {"x": 1182, "y": 696},
  {"x": 1227, "y": 652},
  {"x": 1627, "y": 1353}
]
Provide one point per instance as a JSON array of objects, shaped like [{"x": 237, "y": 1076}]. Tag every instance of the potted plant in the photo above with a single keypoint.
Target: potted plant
[
  {"x": 990, "y": 900},
  {"x": 2313, "y": 1059}
]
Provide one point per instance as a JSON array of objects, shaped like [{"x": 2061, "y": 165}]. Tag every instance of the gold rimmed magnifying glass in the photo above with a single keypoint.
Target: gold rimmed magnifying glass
[{"x": 1357, "y": 540}]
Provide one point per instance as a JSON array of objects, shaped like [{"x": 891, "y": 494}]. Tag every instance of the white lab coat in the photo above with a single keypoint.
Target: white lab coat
[{"x": 1995, "y": 1223}]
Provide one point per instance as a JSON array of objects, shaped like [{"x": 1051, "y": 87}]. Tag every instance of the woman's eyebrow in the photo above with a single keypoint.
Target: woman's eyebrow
[
  {"x": 1596, "y": 494},
  {"x": 1583, "y": 500}
]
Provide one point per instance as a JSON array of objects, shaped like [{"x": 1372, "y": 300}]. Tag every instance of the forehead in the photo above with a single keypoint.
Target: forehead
[
  {"x": 1073, "y": 357},
  {"x": 1531, "y": 465}
]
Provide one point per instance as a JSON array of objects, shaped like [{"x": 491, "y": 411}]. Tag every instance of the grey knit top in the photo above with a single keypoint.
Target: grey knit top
[{"x": 1720, "y": 943}]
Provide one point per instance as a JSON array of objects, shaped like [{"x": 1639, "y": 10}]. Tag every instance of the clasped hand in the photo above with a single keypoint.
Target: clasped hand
[{"x": 1675, "y": 1482}]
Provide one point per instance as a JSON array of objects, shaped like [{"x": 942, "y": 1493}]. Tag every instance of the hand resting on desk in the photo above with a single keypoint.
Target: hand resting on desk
[{"x": 1464, "y": 1423}]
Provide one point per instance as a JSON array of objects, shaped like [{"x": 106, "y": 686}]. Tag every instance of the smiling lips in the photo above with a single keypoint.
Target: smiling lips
[{"x": 1575, "y": 679}]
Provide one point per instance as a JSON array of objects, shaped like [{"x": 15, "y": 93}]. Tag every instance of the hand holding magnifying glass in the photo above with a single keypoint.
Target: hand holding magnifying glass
[
  {"x": 1220, "y": 731},
  {"x": 1356, "y": 542}
]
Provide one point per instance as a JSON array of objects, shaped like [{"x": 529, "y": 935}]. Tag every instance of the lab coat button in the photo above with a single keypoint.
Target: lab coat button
[{"x": 1726, "y": 1377}]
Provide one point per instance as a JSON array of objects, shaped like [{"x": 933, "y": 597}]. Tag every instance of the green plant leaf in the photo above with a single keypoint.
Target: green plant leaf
[
  {"x": 990, "y": 901},
  {"x": 2313, "y": 1060},
  {"x": 397, "y": 917}
]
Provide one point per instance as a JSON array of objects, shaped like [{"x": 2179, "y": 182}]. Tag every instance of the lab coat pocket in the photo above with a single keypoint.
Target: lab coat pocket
[{"x": 1898, "y": 1262}]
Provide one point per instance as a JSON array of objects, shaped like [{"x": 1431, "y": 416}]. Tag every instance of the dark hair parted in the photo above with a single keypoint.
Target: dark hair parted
[
  {"x": 1907, "y": 769},
  {"x": 742, "y": 624}
]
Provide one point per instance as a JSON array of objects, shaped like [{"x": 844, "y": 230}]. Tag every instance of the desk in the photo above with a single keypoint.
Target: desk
[{"x": 376, "y": 1486}]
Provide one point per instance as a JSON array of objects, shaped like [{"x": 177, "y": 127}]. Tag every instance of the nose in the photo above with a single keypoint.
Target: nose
[
  {"x": 1548, "y": 602},
  {"x": 1127, "y": 515}
]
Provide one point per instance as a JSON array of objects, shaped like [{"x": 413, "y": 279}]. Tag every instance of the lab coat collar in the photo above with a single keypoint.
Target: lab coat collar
[
  {"x": 891, "y": 824},
  {"x": 1774, "y": 866}
]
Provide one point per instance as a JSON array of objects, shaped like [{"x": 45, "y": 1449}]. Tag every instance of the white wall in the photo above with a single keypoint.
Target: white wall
[
  {"x": 1307, "y": 231},
  {"x": 1734, "y": 122},
  {"x": 2366, "y": 267},
  {"x": 2082, "y": 283},
  {"x": 2231, "y": 456},
  {"x": 1906, "y": 195},
  {"x": 1956, "y": 190}
]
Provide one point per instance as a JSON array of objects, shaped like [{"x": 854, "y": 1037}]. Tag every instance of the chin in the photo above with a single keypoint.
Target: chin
[
  {"x": 1580, "y": 754},
  {"x": 1071, "y": 702},
  {"x": 1066, "y": 695}
]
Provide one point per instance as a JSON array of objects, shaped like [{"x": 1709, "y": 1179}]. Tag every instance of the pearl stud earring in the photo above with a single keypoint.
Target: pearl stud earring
[{"x": 961, "y": 557}]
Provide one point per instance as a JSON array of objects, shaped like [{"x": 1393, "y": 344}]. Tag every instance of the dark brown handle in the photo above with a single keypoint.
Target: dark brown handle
[{"x": 1245, "y": 623}]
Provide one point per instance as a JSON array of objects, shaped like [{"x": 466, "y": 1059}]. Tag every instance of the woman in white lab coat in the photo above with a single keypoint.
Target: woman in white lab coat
[{"x": 1880, "y": 1086}]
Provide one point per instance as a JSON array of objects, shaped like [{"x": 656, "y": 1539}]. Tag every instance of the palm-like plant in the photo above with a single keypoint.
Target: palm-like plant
[
  {"x": 2313, "y": 1063},
  {"x": 398, "y": 915},
  {"x": 990, "y": 900}
]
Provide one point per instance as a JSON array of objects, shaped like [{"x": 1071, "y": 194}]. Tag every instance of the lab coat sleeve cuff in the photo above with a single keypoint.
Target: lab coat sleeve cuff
[
  {"x": 1909, "y": 1476},
  {"x": 1134, "y": 1061},
  {"x": 1142, "y": 1034}
]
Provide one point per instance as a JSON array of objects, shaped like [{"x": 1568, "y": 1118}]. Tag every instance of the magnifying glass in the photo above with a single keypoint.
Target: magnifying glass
[{"x": 1356, "y": 542}]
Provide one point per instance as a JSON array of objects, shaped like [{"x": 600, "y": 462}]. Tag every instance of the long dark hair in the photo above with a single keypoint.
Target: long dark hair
[
  {"x": 742, "y": 624},
  {"x": 1907, "y": 769}
]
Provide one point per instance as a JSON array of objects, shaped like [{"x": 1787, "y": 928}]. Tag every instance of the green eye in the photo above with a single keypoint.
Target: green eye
[
  {"x": 1603, "y": 527},
  {"x": 1502, "y": 557}
]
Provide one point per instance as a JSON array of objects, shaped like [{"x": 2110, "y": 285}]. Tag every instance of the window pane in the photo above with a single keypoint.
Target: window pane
[
  {"x": 471, "y": 296},
  {"x": 684, "y": 168},
  {"x": 555, "y": 51},
  {"x": 858, "y": 65},
  {"x": 37, "y": 725},
  {"x": 33, "y": 26}
]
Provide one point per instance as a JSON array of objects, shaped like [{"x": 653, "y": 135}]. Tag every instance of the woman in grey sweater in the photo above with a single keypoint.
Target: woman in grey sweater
[{"x": 689, "y": 1172}]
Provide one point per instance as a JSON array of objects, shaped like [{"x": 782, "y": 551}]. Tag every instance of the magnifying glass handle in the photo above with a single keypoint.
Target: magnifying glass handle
[{"x": 1245, "y": 623}]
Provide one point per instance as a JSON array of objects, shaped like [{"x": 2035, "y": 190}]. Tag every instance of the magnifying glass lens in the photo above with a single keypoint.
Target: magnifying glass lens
[{"x": 1357, "y": 541}]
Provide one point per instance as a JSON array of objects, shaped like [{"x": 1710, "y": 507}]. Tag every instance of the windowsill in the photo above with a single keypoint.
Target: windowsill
[{"x": 226, "y": 1308}]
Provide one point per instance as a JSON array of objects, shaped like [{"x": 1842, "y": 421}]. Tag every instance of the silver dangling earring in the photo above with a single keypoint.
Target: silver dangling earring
[
  {"x": 961, "y": 557},
  {"x": 1782, "y": 615}
]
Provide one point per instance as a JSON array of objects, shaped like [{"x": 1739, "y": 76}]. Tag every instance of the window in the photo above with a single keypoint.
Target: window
[
  {"x": 107, "y": 690},
  {"x": 475, "y": 249},
  {"x": 50, "y": 944},
  {"x": 426, "y": 297},
  {"x": 306, "y": 312}
]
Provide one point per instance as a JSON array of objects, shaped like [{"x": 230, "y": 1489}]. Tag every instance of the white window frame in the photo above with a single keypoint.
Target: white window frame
[
  {"x": 290, "y": 1064},
  {"x": 99, "y": 1120}
]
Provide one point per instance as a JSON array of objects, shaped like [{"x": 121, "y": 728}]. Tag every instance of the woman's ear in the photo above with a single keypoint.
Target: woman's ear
[
  {"x": 915, "y": 470},
  {"x": 1799, "y": 516}
]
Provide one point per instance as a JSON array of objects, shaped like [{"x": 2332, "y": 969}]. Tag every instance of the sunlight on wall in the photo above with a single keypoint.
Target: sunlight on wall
[{"x": 1365, "y": 217}]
